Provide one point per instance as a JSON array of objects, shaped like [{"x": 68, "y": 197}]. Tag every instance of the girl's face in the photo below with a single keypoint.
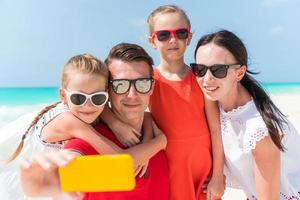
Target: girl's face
[
  {"x": 172, "y": 48},
  {"x": 218, "y": 89},
  {"x": 88, "y": 84}
]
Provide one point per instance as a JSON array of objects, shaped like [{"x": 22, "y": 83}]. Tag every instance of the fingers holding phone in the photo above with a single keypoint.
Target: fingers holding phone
[{"x": 39, "y": 176}]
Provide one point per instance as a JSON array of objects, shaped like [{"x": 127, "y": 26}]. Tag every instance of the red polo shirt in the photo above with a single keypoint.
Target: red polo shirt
[{"x": 154, "y": 186}]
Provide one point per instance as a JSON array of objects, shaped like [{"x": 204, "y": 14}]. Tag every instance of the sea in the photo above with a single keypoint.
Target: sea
[{"x": 15, "y": 102}]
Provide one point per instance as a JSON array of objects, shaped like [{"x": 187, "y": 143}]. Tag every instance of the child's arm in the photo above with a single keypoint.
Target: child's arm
[
  {"x": 147, "y": 127},
  {"x": 127, "y": 135},
  {"x": 66, "y": 126},
  {"x": 141, "y": 153},
  {"x": 216, "y": 186},
  {"x": 267, "y": 169}
]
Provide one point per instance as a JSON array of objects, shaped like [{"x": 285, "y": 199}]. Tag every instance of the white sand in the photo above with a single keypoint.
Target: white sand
[{"x": 290, "y": 106}]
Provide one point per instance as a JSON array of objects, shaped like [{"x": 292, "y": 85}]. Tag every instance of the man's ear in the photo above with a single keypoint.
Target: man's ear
[
  {"x": 151, "y": 41},
  {"x": 241, "y": 72},
  {"x": 189, "y": 39},
  {"x": 63, "y": 96},
  {"x": 153, "y": 84}
]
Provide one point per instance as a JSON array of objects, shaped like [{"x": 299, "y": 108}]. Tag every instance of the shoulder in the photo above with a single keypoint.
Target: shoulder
[
  {"x": 247, "y": 122},
  {"x": 255, "y": 130},
  {"x": 80, "y": 146},
  {"x": 68, "y": 120},
  {"x": 156, "y": 74}
]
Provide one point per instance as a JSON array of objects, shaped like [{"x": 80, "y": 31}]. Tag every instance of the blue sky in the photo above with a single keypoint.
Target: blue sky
[{"x": 38, "y": 37}]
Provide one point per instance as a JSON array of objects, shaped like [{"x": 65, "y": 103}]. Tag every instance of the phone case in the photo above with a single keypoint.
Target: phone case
[{"x": 99, "y": 173}]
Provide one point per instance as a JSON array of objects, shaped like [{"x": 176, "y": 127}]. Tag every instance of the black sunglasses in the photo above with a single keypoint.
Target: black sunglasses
[
  {"x": 141, "y": 85},
  {"x": 164, "y": 35},
  {"x": 217, "y": 70}
]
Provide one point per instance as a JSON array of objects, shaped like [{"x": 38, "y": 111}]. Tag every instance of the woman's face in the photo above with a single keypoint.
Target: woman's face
[{"x": 218, "y": 89}]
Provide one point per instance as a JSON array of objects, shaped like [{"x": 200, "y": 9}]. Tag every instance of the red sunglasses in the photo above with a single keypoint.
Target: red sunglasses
[{"x": 164, "y": 35}]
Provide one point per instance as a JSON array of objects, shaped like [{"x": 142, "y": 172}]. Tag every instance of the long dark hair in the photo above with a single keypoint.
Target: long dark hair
[{"x": 272, "y": 116}]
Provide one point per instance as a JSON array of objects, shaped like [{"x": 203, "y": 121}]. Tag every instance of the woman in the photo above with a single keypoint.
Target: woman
[{"x": 261, "y": 146}]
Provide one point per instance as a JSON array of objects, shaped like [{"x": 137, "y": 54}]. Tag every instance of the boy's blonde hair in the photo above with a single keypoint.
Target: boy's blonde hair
[
  {"x": 163, "y": 10},
  {"x": 85, "y": 64}
]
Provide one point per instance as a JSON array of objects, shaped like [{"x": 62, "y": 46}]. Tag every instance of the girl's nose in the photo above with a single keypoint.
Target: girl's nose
[{"x": 88, "y": 103}]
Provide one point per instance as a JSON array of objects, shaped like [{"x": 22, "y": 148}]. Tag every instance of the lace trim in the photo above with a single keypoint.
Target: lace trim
[
  {"x": 258, "y": 135},
  {"x": 297, "y": 196},
  {"x": 282, "y": 196},
  {"x": 235, "y": 110}
]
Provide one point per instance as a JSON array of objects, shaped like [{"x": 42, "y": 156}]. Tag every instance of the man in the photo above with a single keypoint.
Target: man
[{"x": 131, "y": 85}]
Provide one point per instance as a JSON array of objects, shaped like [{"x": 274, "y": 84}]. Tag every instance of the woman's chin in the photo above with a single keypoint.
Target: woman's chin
[{"x": 211, "y": 96}]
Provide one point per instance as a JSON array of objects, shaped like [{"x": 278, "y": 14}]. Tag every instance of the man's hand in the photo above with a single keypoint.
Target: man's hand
[
  {"x": 39, "y": 177},
  {"x": 127, "y": 135}
]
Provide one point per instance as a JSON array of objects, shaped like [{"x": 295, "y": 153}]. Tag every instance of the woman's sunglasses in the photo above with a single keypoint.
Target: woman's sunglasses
[
  {"x": 141, "y": 85},
  {"x": 164, "y": 35},
  {"x": 217, "y": 70},
  {"x": 98, "y": 99}
]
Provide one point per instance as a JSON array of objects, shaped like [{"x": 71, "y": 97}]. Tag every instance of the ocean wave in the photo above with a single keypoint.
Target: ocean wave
[{"x": 11, "y": 113}]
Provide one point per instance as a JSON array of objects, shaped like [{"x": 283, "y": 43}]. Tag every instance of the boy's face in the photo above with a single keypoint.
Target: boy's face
[{"x": 173, "y": 48}]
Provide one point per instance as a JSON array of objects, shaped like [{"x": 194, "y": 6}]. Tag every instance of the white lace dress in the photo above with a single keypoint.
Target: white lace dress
[
  {"x": 10, "y": 137},
  {"x": 242, "y": 128}
]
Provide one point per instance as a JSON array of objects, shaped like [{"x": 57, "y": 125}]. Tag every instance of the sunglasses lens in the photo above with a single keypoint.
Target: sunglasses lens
[
  {"x": 143, "y": 85},
  {"x": 163, "y": 35},
  {"x": 120, "y": 86},
  {"x": 99, "y": 99},
  {"x": 182, "y": 33},
  {"x": 77, "y": 99},
  {"x": 219, "y": 71},
  {"x": 199, "y": 70}
]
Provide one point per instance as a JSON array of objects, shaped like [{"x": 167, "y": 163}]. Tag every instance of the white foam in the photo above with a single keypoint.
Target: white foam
[{"x": 11, "y": 113}]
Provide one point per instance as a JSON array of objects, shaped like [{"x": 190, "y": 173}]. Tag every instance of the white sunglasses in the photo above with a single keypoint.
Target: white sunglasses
[{"x": 98, "y": 99}]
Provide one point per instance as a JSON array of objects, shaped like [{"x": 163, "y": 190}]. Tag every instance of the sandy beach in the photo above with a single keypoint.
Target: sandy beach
[
  {"x": 287, "y": 103},
  {"x": 290, "y": 106}
]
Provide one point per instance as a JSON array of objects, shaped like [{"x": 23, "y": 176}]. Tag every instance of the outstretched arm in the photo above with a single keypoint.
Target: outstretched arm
[
  {"x": 267, "y": 169},
  {"x": 66, "y": 126},
  {"x": 216, "y": 186},
  {"x": 39, "y": 177}
]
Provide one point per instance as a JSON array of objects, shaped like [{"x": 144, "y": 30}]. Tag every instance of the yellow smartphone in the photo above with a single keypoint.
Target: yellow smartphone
[{"x": 98, "y": 173}]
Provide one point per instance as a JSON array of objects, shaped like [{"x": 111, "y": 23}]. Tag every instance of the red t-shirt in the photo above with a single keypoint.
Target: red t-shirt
[{"x": 154, "y": 186}]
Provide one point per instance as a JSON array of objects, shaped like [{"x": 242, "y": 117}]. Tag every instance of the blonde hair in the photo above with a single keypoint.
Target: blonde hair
[
  {"x": 85, "y": 63},
  {"x": 163, "y": 10}
]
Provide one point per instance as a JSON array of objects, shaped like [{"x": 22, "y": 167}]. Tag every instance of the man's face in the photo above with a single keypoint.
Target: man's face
[{"x": 132, "y": 104}]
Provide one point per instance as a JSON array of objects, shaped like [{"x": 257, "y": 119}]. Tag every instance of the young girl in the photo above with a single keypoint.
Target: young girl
[
  {"x": 261, "y": 146},
  {"x": 83, "y": 96},
  {"x": 177, "y": 106}
]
